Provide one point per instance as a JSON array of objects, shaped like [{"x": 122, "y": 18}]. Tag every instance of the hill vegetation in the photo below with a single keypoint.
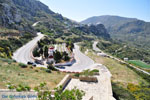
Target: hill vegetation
[
  {"x": 11, "y": 44},
  {"x": 130, "y": 30},
  {"x": 122, "y": 50}
]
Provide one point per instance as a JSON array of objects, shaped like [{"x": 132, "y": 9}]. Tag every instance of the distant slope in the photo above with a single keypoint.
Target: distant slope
[
  {"x": 108, "y": 21},
  {"x": 98, "y": 30},
  {"x": 130, "y": 30}
]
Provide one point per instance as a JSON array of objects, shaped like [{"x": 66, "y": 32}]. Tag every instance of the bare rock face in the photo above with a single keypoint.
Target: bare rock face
[
  {"x": 12, "y": 17},
  {"x": 9, "y": 15}
]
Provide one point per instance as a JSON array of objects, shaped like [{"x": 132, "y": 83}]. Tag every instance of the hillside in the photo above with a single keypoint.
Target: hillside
[
  {"x": 98, "y": 30},
  {"x": 21, "y": 14},
  {"x": 18, "y": 16},
  {"x": 108, "y": 21},
  {"x": 135, "y": 32}
]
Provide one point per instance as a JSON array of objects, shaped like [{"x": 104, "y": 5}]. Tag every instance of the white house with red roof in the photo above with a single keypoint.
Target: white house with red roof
[{"x": 50, "y": 57}]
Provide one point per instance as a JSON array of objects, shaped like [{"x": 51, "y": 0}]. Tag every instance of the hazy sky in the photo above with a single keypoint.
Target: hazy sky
[{"x": 79, "y": 10}]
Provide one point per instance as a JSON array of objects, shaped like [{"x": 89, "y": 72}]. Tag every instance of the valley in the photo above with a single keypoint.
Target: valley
[{"x": 58, "y": 58}]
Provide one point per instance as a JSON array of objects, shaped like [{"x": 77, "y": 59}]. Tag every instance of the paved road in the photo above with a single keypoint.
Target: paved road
[
  {"x": 119, "y": 60},
  {"x": 23, "y": 54},
  {"x": 82, "y": 61},
  {"x": 95, "y": 48}
]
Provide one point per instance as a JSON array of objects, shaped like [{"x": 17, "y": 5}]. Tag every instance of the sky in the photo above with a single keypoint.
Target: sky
[{"x": 80, "y": 10}]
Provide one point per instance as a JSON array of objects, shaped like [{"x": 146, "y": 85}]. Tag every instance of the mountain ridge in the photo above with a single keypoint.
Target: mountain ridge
[{"x": 129, "y": 30}]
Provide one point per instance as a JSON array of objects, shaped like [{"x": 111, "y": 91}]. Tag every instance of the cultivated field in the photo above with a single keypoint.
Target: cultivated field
[{"x": 139, "y": 63}]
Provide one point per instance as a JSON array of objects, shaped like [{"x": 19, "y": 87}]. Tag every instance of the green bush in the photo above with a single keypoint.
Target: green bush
[
  {"x": 90, "y": 72},
  {"x": 95, "y": 70},
  {"x": 77, "y": 74},
  {"x": 18, "y": 88},
  {"x": 21, "y": 88},
  {"x": 51, "y": 67},
  {"x": 48, "y": 70},
  {"x": 121, "y": 93},
  {"x": 59, "y": 94},
  {"x": 23, "y": 65},
  {"x": 66, "y": 58}
]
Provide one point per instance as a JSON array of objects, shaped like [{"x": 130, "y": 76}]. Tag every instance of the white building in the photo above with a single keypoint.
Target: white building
[
  {"x": 126, "y": 59},
  {"x": 50, "y": 57}
]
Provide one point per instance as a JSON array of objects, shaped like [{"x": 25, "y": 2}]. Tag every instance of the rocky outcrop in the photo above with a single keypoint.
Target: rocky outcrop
[
  {"x": 11, "y": 17},
  {"x": 9, "y": 14},
  {"x": 20, "y": 14}
]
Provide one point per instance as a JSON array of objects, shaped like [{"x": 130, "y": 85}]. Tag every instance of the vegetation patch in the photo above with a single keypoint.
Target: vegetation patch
[
  {"x": 59, "y": 93},
  {"x": 120, "y": 93},
  {"x": 23, "y": 65},
  {"x": 13, "y": 73},
  {"x": 10, "y": 45},
  {"x": 122, "y": 50},
  {"x": 139, "y": 63}
]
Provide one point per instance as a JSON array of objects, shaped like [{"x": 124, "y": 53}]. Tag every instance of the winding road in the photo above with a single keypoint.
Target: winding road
[
  {"x": 23, "y": 54},
  {"x": 83, "y": 62},
  {"x": 95, "y": 48}
]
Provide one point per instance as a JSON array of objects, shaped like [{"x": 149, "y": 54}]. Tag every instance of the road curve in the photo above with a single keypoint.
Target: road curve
[
  {"x": 95, "y": 48},
  {"x": 82, "y": 62},
  {"x": 23, "y": 54}
]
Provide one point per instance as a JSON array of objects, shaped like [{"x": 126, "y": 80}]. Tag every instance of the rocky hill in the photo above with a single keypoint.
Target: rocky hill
[
  {"x": 130, "y": 30},
  {"x": 21, "y": 14}
]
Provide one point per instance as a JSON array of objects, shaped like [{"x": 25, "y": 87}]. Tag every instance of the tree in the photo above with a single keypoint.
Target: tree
[
  {"x": 46, "y": 52},
  {"x": 36, "y": 53},
  {"x": 65, "y": 57},
  {"x": 70, "y": 45},
  {"x": 57, "y": 56},
  {"x": 41, "y": 51},
  {"x": 40, "y": 44}
]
